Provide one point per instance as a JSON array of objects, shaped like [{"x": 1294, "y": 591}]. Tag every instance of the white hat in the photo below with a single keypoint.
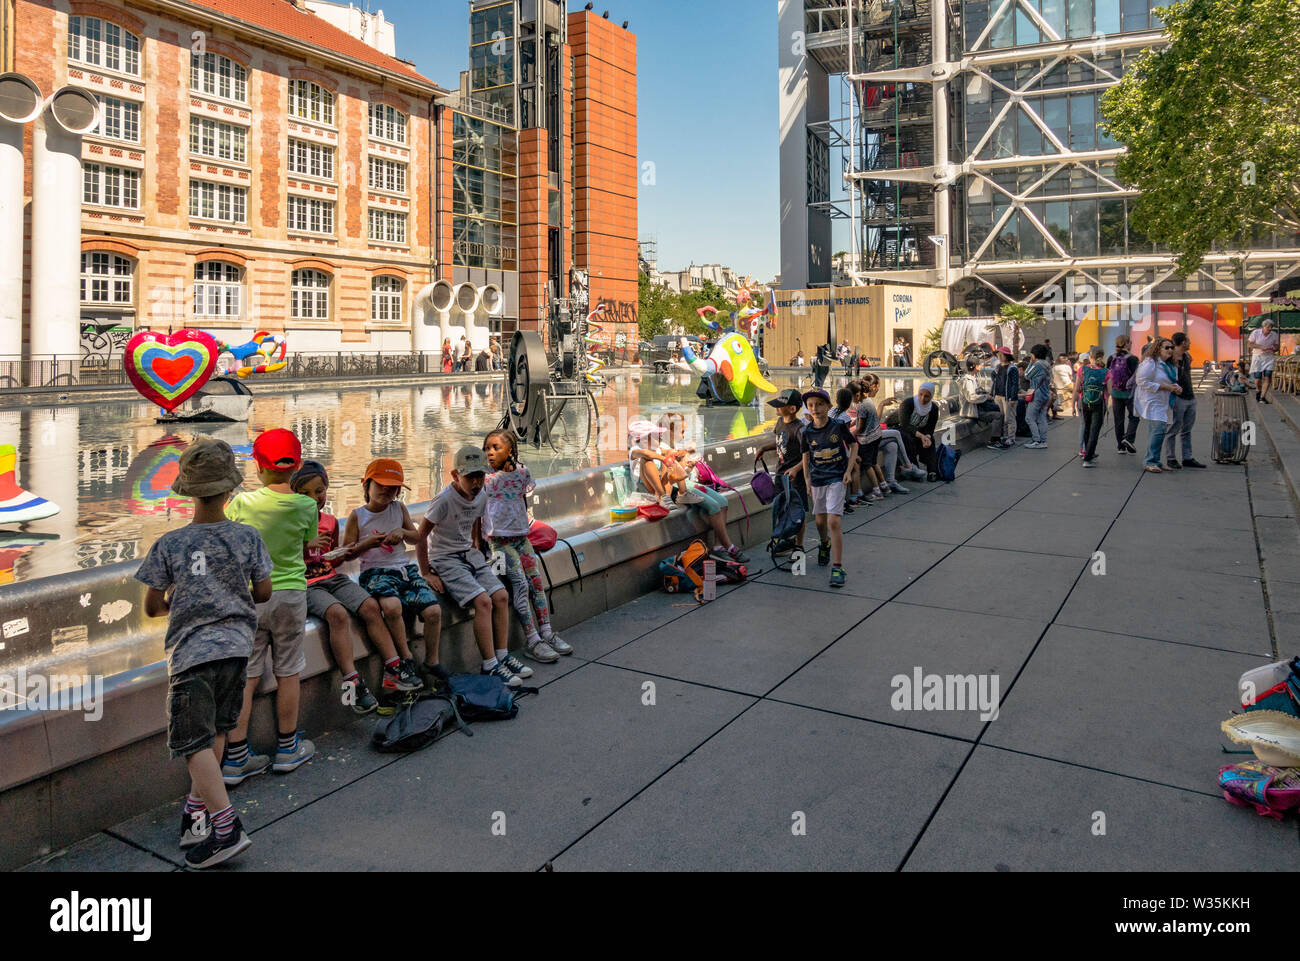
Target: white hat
[{"x": 1274, "y": 736}]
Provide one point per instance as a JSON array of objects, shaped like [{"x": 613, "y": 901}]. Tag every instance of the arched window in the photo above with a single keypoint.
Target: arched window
[
  {"x": 309, "y": 295},
  {"x": 218, "y": 289},
  {"x": 311, "y": 101},
  {"x": 218, "y": 76},
  {"x": 385, "y": 300},
  {"x": 103, "y": 44},
  {"x": 107, "y": 278}
]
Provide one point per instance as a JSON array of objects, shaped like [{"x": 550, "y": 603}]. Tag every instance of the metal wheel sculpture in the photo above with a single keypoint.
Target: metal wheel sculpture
[{"x": 537, "y": 397}]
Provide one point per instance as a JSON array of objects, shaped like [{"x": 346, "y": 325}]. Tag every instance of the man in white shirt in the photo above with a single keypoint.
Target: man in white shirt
[{"x": 1264, "y": 343}]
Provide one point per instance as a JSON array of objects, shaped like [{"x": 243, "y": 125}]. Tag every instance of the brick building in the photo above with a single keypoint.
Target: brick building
[
  {"x": 255, "y": 168},
  {"x": 258, "y": 168}
]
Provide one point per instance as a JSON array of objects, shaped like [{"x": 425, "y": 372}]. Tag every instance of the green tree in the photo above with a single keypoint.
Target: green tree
[
  {"x": 957, "y": 312},
  {"x": 1025, "y": 318},
  {"x": 655, "y": 303},
  {"x": 1212, "y": 126}
]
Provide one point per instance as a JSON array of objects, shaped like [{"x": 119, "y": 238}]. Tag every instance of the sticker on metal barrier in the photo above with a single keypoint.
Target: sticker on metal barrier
[
  {"x": 15, "y": 628},
  {"x": 719, "y": 450},
  {"x": 114, "y": 611},
  {"x": 581, "y": 555},
  {"x": 76, "y": 634}
]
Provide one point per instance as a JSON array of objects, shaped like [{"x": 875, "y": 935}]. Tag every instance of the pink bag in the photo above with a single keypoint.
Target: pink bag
[{"x": 542, "y": 536}]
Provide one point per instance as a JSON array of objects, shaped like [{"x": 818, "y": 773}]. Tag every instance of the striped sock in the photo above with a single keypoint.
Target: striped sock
[
  {"x": 352, "y": 678},
  {"x": 288, "y": 743},
  {"x": 236, "y": 752},
  {"x": 223, "y": 822},
  {"x": 392, "y": 665},
  {"x": 194, "y": 804}
]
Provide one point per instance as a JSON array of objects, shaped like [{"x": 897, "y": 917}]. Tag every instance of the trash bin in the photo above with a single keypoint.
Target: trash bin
[{"x": 1229, "y": 419}]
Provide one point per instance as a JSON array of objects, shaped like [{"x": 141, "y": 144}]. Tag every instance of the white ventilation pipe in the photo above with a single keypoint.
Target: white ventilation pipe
[
  {"x": 20, "y": 104},
  {"x": 56, "y": 222},
  {"x": 490, "y": 304},
  {"x": 432, "y": 311},
  {"x": 463, "y": 312}
]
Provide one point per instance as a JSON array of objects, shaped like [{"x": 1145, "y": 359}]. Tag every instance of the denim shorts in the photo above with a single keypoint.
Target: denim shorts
[
  {"x": 403, "y": 583},
  {"x": 203, "y": 702}
]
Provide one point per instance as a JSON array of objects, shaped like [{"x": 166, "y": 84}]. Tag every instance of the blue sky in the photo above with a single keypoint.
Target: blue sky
[{"x": 707, "y": 116}]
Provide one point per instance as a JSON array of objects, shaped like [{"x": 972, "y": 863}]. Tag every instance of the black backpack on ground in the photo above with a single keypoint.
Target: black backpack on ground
[{"x": 417, "y": 723}]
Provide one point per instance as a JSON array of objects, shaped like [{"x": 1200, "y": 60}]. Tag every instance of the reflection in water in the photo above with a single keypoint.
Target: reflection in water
[{"x": 110, "y": 466}]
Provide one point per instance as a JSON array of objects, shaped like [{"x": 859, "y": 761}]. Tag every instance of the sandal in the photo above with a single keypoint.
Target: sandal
[
  {"x": 1154, "y": 470},
  {"x": 1271, "y": 791}
]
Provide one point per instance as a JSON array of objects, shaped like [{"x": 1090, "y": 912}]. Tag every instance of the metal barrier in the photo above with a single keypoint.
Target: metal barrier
[{"x": 84, "y": 371}]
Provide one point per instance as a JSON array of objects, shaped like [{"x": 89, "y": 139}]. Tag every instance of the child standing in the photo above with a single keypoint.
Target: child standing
[
  {"x": 335, "y": 598},
  {"x": 451, "y": 555},
  {"x": 199, "y": 577},
  {"x": 829, "y": 450},
  {"x": 506, "y": 524},
  {"x": 287, "y": 522},
  {"x": 869, "y": 434},
  {"x": 378, "y": 532},
  {"x": 1091, "y": 400},
  {"x": 843, "y": 412}
]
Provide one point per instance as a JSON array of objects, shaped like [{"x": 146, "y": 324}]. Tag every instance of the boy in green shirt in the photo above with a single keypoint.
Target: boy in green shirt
[{"x": 287, "y": 522}]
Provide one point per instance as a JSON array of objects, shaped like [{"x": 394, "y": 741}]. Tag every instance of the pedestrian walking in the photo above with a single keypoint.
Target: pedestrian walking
[
  {"x": 1183, "y": 412},
  {"x": 1038, "y": 396},
  {"x": 1264, "y": 343},
  {"x": 1157, "y": 386},
  {"x": 1121, "y": 378}
]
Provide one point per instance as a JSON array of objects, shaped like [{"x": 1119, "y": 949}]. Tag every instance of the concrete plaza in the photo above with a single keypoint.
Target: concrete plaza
[{"x": 772, "y": 707}]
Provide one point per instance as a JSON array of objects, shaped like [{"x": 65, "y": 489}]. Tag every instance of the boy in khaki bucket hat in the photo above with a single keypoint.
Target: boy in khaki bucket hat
[{"x": 199, "y": 576}]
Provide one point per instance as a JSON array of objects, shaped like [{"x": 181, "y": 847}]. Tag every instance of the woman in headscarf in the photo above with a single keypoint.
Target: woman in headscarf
[
  {"x": 1157, "y": 386},
  {"x": 918, "y": 418}
]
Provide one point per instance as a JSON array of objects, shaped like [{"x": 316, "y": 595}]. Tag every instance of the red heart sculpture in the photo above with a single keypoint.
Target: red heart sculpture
[{"x": 169, "y": 369}]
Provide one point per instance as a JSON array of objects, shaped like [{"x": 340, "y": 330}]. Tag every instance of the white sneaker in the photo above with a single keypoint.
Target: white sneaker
[
  {"x": 667, "y": 502},
  {"x": 541, "y": 651},
  {"x": 559, "y": 645},
  {"x": 689, "y": 496}
]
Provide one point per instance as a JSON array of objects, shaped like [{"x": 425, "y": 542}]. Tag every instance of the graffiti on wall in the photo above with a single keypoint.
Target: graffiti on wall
[
  {"x": 620, "y": 311},
  {"x": 103, "y": 344}
]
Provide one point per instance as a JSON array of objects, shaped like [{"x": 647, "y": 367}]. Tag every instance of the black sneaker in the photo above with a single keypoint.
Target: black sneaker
[
  {"x": 1193, "y": 462},
  {"x": 357, "y": 696},
  {"x": 408, "y": 673},
  {"x": 213, "y": 851},
  {"x": 435, "y": 676},
  {"x": 823, "y": 555},
  {"x": 194, "y": 829},
  {"x": 1173, "y": 464}
]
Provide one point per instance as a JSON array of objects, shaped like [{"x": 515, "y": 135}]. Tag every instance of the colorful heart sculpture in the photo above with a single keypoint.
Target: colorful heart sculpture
[{"x": 168, "y": 370}]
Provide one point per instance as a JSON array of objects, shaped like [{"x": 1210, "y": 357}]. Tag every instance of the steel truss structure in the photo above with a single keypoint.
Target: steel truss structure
[{"x": 905, "y": 104}]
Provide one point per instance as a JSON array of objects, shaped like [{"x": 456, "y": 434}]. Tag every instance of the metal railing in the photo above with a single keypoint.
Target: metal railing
[{"x": 65, "y": 371}]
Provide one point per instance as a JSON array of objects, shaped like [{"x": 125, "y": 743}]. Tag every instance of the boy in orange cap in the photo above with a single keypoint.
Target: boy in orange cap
[
  {"x": 378, "y": 532},
  {"x": 287, "y": 522}
]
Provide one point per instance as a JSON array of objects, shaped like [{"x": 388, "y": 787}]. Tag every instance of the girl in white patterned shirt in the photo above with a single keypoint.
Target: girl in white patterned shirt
[{"x": 505, "y": 525}]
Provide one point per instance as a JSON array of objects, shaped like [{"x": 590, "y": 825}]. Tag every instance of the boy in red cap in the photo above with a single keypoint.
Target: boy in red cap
[{"x": 287, "y": 522}]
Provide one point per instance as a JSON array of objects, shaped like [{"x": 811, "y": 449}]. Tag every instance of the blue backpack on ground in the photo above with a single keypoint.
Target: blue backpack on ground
[
  {"x": 482, "y": 697},
  {"x": 946, "y": 463},
  {"x": 787, "y": 518}
]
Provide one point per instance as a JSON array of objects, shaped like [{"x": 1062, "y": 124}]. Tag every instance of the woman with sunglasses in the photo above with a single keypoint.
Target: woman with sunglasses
[{"x": 1157, "y": 386}]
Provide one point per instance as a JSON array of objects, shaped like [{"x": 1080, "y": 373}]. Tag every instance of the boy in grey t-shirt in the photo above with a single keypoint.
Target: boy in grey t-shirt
[
  {"x": 452, "y": 560},
  {"x": 199, "y": 576}
]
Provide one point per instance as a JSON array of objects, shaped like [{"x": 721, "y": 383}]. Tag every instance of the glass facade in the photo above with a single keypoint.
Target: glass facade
[
  {"x": 484, "y": 194},
  {"x": 492, "y": 55},
  {"x": 1069, "y": 19}
]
